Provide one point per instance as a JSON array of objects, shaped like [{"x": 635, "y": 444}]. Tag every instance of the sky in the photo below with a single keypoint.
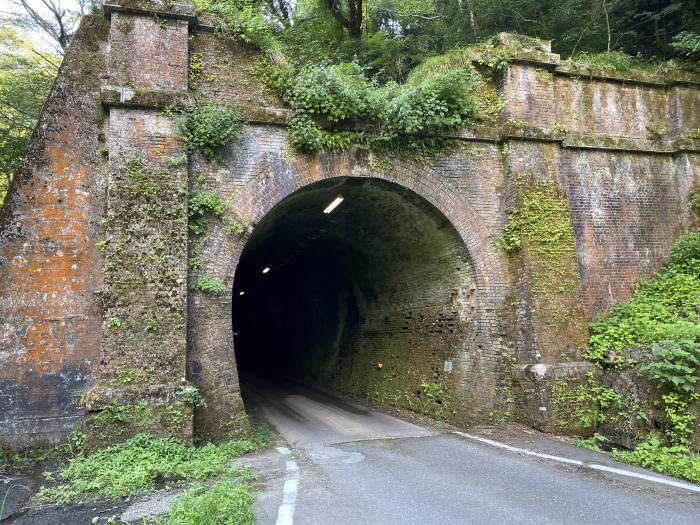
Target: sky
[{"x": 38, "y": 37}]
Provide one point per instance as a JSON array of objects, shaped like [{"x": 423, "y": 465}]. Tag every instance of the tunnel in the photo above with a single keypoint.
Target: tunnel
[{"x": 357, "y": 284}]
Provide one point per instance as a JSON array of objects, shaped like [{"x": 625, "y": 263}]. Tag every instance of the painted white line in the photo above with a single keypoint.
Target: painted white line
[
  {"x": 592, "y": 466},
  {"x": 519, "y": 450},
  {"x": 285, "y": 513},
  {"x": 647, "y": 477}
]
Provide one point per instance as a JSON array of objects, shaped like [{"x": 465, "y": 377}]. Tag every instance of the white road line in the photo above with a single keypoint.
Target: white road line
[
  {"x": 285, "y": 513},
  {"x": 592, "y": 466}
]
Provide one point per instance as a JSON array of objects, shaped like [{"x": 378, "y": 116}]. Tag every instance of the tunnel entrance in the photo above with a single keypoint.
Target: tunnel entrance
[{"x": 374, "y": 297}]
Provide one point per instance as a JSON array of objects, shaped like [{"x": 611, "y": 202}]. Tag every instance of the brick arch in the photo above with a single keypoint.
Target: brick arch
[
  {"x": 271, "y": 181},
  {"x": 271, "y": 185}
]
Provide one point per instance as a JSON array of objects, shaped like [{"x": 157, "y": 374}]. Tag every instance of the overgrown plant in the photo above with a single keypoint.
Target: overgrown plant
[
  {"x": 209, "y": 126},
  {"x": 543, "y": 222},
  {"x": 226, "y": 502},
  {"x": 391, "y": 114},
  {"x": 191, "y": 394},
  {"x": 674, "y": 461},
  {"x": 581, "y": 405},
  {"x": 662, "y": 317},
  {"x": 132, "y": 467},
  {"x": 208, "y": 285},
  {"x": 201, "y": 206},
  {"x": 662, "y": 309}
]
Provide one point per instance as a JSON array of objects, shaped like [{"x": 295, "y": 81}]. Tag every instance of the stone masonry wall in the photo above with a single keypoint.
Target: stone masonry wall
[{"x": 50, "y": 266}]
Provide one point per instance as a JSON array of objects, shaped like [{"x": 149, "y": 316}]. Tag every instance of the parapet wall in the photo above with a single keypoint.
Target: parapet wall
[{"x": 614, "y": 150}]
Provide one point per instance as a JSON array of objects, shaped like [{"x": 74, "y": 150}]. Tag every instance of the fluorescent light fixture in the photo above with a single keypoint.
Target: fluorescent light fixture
[
  {"x": 241, "y": 292},
  {"x": 333, "y": 205},
  {"x": 266, "y": 269}
]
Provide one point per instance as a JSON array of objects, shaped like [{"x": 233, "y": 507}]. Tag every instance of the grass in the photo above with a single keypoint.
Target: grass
[
  {"x": 30, "y": 457},
  {"x": 228, "y": 502},
  {"x": 138, "y": 465}
]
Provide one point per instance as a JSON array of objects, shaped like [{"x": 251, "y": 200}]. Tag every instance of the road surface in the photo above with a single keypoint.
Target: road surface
[{"x": 340, "y": 462}]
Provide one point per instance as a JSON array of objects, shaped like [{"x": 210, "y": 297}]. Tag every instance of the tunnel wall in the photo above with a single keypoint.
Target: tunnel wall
[
  {"x": 590, "y": 138},
  {"x": 50, "y": 267}
]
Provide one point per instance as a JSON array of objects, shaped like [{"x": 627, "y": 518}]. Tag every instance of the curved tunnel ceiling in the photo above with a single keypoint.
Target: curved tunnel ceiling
[{"x": 375, "y": 215}]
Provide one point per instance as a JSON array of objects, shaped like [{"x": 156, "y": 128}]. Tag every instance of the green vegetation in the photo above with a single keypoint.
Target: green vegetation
[
  {"x": 607, "y": 61},
  {"x": 673, "y": 365},
  {"x": 391, "y": 37},
  {"x": 657, "y": 128},
  {"x": 26, "y": 75},
  {"x": 435, "y": 400},
  {"x": 227, "y": 502},
  {"x": 592, "y": 443},
  {"x": 675, "y": 461},
  {"x": 132, "y": 467},
  {"x": 343, "y": 93},
  {"x": 694, "y": 201},
  {"x": 662, "y": 318},
  {"x": 663, "y": 310},
  {"x": 191, "y": 394},
  {"x": 208, "y": 285},
  {"x": 203, "y": 204},
  {"x": 398, "y": 75},
  {"x": 544, "y": 223},
  {"x": 388, "y": 41},
  {"x": 583, "y": 405},
  {"x": 687, "y": 43},
  {"x": 208, "y": 127}
]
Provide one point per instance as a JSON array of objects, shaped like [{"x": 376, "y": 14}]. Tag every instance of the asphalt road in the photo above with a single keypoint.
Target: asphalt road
[{"x": 353, "y": 464}]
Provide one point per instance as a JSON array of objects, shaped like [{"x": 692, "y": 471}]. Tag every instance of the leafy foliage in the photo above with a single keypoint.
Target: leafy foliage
[
  {"x": 592, "y": 443},
  {"x": 609, "y": 61},
  {"x": 132, "y": 467},
  {"x": 191, "y": 394},
  {"x": 687, "y": 43},
  {"x": 203, "y": 204},
  {"x": 26, "y": 76},
  {"x": 661, "y": 316},
  {"x": 581, "y": 405},
  {"x": 441, "y": 101},
  {"x": 674, "y": 461},
  {"x": 210, "y": 126},
  {"x": 304, "y": 135},
  {"x": 673, "y": 364},
  {"x": 342, "y": 93},
  {"x": 663, "y": 309},
  {"x": 209, "y": 285},
  {"x": 339, "y": 92},
  {"x": 434, "y": 399},
  {"x": 543, "y": 222}
]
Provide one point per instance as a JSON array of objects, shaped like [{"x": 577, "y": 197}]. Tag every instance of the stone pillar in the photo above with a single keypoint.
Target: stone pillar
[
  {"x": 545, "y": 309},
  {"x": 142, "y": 385}
]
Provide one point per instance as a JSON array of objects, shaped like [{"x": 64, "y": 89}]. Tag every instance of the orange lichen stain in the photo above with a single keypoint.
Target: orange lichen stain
[{"x": 51, "y": 278}]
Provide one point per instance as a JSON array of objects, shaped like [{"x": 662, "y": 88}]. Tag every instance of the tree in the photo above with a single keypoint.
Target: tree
[
  {"x": 49, "y": 18},
  {"x": 26, "y": 76},
  {"x": 349, "y": 14}
]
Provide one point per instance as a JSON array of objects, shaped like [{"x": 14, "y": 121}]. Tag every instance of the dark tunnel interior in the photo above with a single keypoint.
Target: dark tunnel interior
[{"x": 383, "y": 278}]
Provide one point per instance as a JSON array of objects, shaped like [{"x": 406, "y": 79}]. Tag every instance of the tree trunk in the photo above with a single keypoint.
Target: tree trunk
[{"x": 355, "y": 18}]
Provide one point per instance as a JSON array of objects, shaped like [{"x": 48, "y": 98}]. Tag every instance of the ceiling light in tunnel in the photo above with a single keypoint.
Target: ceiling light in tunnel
[
  {"x": 333, "y": 205},
  {"x": 266, "y": 269}
]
